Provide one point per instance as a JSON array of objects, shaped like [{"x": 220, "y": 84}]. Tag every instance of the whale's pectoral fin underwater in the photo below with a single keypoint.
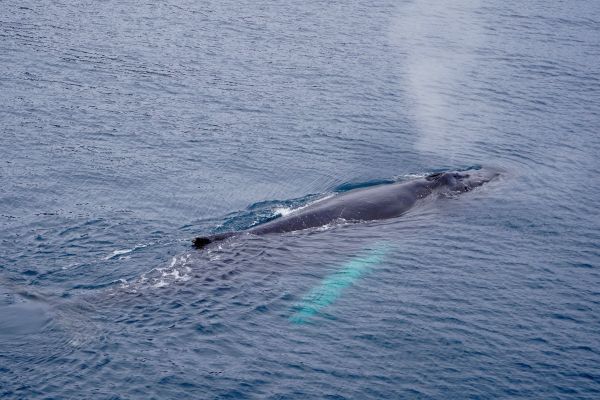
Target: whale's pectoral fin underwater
[{"x": 368, "y": 204}]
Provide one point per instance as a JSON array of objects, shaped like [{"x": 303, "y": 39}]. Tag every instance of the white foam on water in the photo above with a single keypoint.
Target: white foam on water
[
  {"x": 214, "y": 254},
  {"x": 178, "y": 270},
  {"x": 338, "y": 222},
  {"x": 117, "y": 253},
  {"x": 285, "y": 211},
  {"x": 406, "y": 177}
]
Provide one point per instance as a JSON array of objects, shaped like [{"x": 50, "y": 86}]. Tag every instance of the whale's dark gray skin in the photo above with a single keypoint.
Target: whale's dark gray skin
[{"x": 372, "y": 203}]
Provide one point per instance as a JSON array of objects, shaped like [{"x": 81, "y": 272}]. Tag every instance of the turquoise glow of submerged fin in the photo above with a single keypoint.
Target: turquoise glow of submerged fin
[{"x": 332, "y": 286}]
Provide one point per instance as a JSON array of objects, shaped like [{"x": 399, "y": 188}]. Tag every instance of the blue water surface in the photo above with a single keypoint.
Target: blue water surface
[{"x": 128, "y": 128}]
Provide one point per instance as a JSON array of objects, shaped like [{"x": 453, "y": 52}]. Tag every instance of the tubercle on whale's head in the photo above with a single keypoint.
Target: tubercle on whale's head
[
  {"x": 463, "y": 181},
  {"x": 479, "y": 177}
]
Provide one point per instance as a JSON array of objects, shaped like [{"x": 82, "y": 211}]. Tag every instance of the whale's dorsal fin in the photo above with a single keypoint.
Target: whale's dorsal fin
[{"x": 200, "y": 242}]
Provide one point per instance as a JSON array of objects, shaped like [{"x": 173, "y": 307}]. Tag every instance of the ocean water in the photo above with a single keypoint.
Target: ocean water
[{"x": 128, "y": 128}]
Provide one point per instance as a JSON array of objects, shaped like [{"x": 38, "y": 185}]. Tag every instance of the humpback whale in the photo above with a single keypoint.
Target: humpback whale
[{"x": 367, "y": 204}]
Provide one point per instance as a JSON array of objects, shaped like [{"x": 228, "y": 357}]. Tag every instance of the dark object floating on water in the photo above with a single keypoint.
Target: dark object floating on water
[{"x": 368, "y": 204}]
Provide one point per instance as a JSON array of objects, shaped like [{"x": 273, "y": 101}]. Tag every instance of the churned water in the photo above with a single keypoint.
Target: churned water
[{"x": 127, "y": 128}]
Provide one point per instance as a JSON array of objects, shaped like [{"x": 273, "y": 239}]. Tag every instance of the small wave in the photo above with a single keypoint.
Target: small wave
[
  {"x": 345, "y": 187},
  {"x": 117, "y": 253}
]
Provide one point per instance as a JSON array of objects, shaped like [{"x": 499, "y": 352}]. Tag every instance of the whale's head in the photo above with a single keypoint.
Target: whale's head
[{"x": 462, "y": 181}]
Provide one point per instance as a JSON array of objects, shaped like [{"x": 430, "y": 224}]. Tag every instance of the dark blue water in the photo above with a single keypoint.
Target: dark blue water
[{"x": 128, "y": 128}]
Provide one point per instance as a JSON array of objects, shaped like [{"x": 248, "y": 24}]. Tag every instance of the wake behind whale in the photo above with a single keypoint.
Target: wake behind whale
[{"x": 367, "y": 204}]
